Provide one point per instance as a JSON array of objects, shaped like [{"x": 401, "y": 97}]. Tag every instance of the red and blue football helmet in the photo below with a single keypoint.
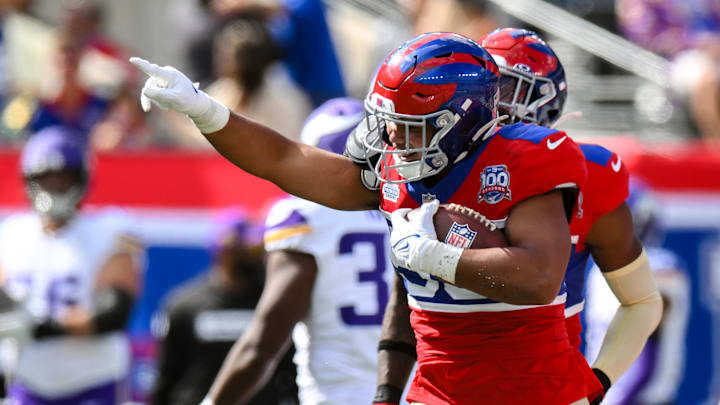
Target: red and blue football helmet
[
  {"x": 532, "y": 80},
  {"x": 55, "y": 149},
  {"x": 442, "y": 80}
]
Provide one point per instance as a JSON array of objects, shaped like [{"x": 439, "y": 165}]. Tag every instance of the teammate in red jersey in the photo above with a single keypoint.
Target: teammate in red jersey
[
  {"x": 433, "y": 105},
  {"x": 533, "y": 89}
]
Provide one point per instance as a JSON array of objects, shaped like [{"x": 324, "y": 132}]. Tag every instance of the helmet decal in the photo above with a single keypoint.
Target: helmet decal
[
  {"x": 533, "y": 87},
  {"x": 442, "y": 86}
]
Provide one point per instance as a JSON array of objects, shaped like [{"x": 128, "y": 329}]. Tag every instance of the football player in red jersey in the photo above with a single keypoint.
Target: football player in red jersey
[
  {"x": 488, "y": 324},
  {"x": 533, "y": 89}
]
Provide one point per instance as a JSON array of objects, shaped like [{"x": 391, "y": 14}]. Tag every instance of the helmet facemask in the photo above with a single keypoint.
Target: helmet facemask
[
  {"x": 56, "y": 205},
  {"x": 523, "y": 93},
  {"x": 431, "y": 160}
]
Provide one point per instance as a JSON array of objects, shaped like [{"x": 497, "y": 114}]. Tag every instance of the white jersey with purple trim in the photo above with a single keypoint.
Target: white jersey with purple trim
[
  {"x": 656, "y": 375},
  {"x": 337, "y": 341},
  {"x": 49, "y": 273}
]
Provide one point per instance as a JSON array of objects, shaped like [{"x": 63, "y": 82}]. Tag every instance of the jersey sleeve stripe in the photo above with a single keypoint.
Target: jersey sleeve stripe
[
  {"x": 294, "y": 219},
  {"x": 284, "y": 233}
]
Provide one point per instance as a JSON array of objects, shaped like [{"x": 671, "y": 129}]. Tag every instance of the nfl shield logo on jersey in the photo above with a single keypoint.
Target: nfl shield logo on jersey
[
  {"x": 427, "y": 197},
  {"x": 460, "y": 236},
  {"x": 495, "y": 184}
]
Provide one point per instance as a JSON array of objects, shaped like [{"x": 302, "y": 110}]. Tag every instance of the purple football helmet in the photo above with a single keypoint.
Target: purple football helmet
[
  {"x": 234, "y": 223},
  {"x": 330, "y": 124},
  {"x": 51, "y": 150}
]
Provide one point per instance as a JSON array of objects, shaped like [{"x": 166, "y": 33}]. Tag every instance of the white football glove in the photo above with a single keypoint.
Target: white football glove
[
  {"x": 415, "y": 245},
  {"x": 168, "y": 88},
  {"x": 363, "y": 156}
]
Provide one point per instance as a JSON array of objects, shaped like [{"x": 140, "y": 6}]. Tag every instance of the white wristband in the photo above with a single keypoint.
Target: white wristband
[
  {"x": 207, "y": 401},
  {"x": 213, "y": 119},
  {"x": 438, "y": 259}
]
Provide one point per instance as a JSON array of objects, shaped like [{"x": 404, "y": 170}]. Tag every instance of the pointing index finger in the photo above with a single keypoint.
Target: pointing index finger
[{"x": 150, "y": 69}]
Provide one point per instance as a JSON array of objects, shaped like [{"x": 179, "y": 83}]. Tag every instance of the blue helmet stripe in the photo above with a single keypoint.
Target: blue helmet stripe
[{"x": 444, "y": 45}]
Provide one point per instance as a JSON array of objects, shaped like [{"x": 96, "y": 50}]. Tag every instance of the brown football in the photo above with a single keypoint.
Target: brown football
[{"x": 466, "y": 228}]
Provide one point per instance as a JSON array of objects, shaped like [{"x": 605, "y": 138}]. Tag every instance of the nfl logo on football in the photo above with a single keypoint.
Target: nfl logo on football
[
  {"x": 460, "y": 236},
  {"x": 495, "y": 184}
]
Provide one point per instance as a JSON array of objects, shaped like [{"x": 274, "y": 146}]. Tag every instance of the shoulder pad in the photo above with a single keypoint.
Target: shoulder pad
[{"x": 528, "y": 132}]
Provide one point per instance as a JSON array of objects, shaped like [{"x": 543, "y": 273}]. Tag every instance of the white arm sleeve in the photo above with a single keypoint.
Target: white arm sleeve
[{"x": 635, "y": 319}]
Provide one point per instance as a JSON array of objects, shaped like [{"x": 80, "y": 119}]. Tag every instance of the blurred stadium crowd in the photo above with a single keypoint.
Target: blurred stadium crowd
[{"x": 65, "y": 63}]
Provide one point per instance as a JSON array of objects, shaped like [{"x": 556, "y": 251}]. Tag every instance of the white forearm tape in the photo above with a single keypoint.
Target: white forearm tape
[
  {"x": 213, "y": 118},
  {"x": 207, "y": 401},
  {"x": 635, "y": 319},
  {"x": 438, "y": 259}
]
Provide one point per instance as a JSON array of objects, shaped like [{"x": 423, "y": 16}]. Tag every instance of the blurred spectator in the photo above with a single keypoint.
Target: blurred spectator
[
  {"x": 89, "y": 85},
  {"x": 299, "y": 27},
  {"x": 27, "y": 44},
  {"x": 371, "y": 39},
  {"x": 69, "y": 103},
  {"x": 655, "y": 377},
  {"x": 668, "y": 27},
  {"x": 26, "y": 49},
  {"x": 204, "y": 318},
  {"x": 250, "y": 82},
  {"x": 124, "y": 126},
  {"x": 695, "y": 78},
  {"x": 77, "y": 274},
  {"x": 688, "y": 32},
  {"x": 301, "y": 30},
  {"x": 472, "y": 18},
  {"x": 104, "y": 66},
  {"x": 104, "y": 70}
]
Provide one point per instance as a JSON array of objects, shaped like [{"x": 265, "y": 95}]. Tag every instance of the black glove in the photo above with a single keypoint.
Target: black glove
[{"x": 48, "y": 329}]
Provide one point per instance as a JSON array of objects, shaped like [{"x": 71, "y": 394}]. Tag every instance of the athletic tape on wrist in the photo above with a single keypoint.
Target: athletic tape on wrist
[
  {"x": 440, "y": 259},
  {"x": 214, "y": 118}
]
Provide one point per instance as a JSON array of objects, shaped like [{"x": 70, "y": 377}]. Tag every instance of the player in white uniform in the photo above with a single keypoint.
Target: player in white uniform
[
  {"x": 77, "y": 276},
  {"x": 329, "y": 272},
  {"x": 655, "y": 376}
]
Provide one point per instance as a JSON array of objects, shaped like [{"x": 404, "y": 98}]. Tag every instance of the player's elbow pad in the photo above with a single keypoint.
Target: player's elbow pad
[
  {"x": 112, "y": 309},
  {"x": 635, "y": 320}
]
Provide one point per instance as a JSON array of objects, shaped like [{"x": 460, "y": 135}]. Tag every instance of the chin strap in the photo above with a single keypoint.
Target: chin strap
[
  {"x": 493, "y": 123},
  {"x": 485, "y": 131},
  {"x": 566, "y": 117}
]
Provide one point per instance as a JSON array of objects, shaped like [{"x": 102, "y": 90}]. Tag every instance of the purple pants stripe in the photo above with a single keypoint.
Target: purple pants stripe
[{"x": 106, "y": 394}]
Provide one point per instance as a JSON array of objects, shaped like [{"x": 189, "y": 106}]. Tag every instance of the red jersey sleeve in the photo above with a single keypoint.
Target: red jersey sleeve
[
  {"x": 546, "y": 160},
  {"x": 608, "y": 180}
]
